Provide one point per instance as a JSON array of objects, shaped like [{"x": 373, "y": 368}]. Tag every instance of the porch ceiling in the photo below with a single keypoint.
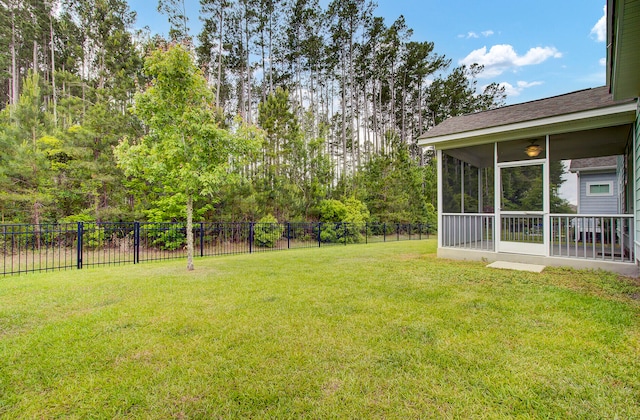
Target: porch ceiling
[{"x": 607, "y": 141}]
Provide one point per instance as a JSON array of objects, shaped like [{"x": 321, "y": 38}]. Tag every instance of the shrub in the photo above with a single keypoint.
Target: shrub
[
  {"x": 165, "y": 236},
  {"x": 94, "y": 236},
  {"x": 267, "y": 231},
  {"x": 342, "y": 220}
]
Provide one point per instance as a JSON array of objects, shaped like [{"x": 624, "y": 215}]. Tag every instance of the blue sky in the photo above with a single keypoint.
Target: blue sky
[{"x": 536, "y": 48}]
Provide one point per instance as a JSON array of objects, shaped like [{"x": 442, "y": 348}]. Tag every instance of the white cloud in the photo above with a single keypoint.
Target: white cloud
[
  {"x": 511, "y": 90},
  {"x": 472, "y": 34},
  {"x": 599, "y": 30},
  {"x": 603, "y": 61},
  {"x": 503, "y": 57}
]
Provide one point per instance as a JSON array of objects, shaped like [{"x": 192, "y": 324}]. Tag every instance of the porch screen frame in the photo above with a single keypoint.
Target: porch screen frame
[{"x": 515, "y": 247}]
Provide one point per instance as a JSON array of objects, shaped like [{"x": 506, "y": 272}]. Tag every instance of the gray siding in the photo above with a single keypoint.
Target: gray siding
[{"x": 602, "y": 204}]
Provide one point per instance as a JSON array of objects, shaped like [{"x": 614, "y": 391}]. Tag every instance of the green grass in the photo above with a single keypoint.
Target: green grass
[{"x": 369, "y": 331}]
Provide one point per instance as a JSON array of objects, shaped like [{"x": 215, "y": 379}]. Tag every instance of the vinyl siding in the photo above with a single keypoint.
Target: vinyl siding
[{"x": 599, "y": 204}]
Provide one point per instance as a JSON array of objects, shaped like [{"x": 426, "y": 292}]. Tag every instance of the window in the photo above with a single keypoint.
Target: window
[{"x": 599, "y": 188}]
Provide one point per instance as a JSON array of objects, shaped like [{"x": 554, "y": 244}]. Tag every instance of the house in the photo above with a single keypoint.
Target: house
[
  {"x": 599, "y": 187},
  {"x": 600, "y": 191},
  {"x": 496, "y": 196}
]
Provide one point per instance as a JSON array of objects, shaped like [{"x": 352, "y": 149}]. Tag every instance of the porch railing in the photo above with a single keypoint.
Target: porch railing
[
  {"x": 468, "y": 230},
  {"x": 585, "y": 236},
  {"x": 592, "y": 236},
  {"x": 522, "y": 228}
]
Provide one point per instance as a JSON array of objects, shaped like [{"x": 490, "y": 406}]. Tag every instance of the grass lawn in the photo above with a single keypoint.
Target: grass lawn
[{"x": 369, "y": 331}]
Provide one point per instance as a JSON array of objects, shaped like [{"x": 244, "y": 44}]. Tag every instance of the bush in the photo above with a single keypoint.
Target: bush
[
  {"x": 342, "y": 221},
  {"x": 267, "y": 232},
  {"x": 432, "y": 217},
  {"x": 94, "y": 236},
  {"x": 165, "y": 236}
]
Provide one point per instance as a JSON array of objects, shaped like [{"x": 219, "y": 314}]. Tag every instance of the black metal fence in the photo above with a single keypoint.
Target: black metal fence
[{"x": 47, "y": 247}]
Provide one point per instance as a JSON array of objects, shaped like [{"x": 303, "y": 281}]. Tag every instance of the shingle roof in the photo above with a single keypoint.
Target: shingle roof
[
  {"x": 582, "y": 100},
  {"x": 593, "y": 163}
]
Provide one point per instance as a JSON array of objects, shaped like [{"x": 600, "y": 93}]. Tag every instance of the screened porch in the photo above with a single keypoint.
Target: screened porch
[{"x": 511, "y": 197}]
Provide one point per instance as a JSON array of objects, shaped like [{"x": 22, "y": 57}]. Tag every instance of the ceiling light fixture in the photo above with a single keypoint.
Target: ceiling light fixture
[{"x": 533, "y": 150}]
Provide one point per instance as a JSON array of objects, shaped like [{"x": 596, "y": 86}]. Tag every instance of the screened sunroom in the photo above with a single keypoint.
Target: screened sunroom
[{"x": 499, "y": 178}]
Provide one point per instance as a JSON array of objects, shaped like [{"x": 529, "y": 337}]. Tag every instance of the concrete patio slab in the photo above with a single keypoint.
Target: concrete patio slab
[{"x": 506, "y": 265}]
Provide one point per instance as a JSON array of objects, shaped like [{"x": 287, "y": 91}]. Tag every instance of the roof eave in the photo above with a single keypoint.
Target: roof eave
[
  {"x": 623, "y": 48},
  {"x": 594, "y": 169},
  {"x": 584, "y": 120}
]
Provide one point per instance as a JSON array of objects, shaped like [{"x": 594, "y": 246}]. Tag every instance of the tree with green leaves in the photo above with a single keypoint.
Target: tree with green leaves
[
  {"x": 27, "y": 164},
  {"x": 185, "y": 148},
  {"x": 456, "y": 95}
]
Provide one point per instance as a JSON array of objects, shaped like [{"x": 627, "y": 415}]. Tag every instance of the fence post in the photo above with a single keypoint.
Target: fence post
[
  {"x": 344, "y": 230},
  {"x": 366, "y": 233},
  {"x": 288, "y": 235},
  {"x": 384, "y": 231},
  {"x": 80, "y": 245},
  {"x": 250, "y": 237},
  {"x": 202, "y": 239},
  {"x": 319, "y": 232},
  {"x": 397, "y": 231},
  {"x": 136, "y": 242},
  {"x": 409, "y": 231}
]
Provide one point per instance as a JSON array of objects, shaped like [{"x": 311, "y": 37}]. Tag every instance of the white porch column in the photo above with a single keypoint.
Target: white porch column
[
  {"x": 480, "y": 195},
  {"x": 440, "y": 205},
  {"x": 497, "y": 198},
  {"x": 461, "y": 187},
  {"x": 546, "y": 199}
]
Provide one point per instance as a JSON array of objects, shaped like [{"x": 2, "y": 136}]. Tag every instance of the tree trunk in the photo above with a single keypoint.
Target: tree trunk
[
  {"x": 35, "y": 56},
  {"x": 248, "y": 37},
  {"x": 190, "y": 232},
  {"x": 343, "y": 104},
  {"x": 270, "y": 53},
  {"x": 263, "y": 84},
  {"x": 353, "y": 95},
  {"x": 376, "y": 147},
  {"x": 403, "y": 110},
  {"x": 14, "y": 64},
  {"x": 218, "y": 103},
  {"x": 53, "y": 75}
]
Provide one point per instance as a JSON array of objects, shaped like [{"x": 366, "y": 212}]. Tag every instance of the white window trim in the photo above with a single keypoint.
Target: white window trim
[{"x": 590, "y": 194}]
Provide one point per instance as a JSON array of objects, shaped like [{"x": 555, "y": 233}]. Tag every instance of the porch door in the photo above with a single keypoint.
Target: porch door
[{"x": 521, "y": 217}]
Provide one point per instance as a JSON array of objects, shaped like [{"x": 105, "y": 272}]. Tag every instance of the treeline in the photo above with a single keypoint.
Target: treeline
[{"x": 339, "y": 95}]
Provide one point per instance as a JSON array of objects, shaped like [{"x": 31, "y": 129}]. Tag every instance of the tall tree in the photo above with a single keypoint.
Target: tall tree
[
  {"x": 176, "y": 12},
  {"x": 184, "y": 148},
  {"x": 456, "y": 94},
  {"x": 212, "y": 40},
  {"x": 27, "y": 167}
]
